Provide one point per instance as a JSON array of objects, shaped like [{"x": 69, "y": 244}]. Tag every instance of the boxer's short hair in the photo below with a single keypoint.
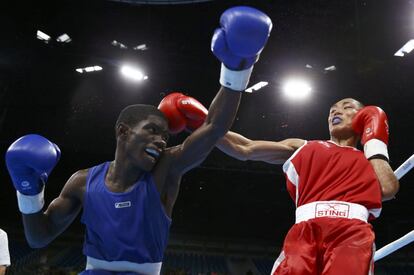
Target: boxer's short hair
[
  {"x": 133, "y": 114},
  {"x": 360, "y": 104}
]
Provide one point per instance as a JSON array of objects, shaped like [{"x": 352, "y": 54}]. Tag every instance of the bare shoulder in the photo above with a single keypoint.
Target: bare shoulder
[
  {"x": 167, "y": 163},
  {"x": 170, "y": 152},
  {"x": 173, "y": 160},
  {"x": 162, "y": 170},
  {"x": 294, "y": 143},
  {"x": 167, "y": 178},
  {"x": 273, "y": 152},
  {"x": 76, "y": 185},
  {"x": 169, "y": 156}
]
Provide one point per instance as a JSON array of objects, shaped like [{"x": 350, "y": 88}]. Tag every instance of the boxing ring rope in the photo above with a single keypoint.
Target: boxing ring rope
[{"x": 407, "y": 238}]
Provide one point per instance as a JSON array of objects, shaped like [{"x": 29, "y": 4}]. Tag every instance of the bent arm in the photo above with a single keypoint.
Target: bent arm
[
  {"x": 388, "y": 181},
  {"x": 242, "y": 148},
  {"x": 198, "y": 145},
  {"x": 43, "y": 227}
]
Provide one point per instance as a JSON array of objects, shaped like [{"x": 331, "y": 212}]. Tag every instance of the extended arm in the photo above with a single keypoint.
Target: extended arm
[
  {"x": 220, "y": 117},
  {"x": 237, "y": 44},
  {"x": 242, "y": 148}
]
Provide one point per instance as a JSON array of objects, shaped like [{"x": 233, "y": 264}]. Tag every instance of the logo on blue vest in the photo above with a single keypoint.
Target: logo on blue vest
[{"x": 123, "y": 204}]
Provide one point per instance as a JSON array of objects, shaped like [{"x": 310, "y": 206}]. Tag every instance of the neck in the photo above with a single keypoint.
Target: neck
[
  {"x": 351, "y": 141},
  {"x": 122, "y": 175}
]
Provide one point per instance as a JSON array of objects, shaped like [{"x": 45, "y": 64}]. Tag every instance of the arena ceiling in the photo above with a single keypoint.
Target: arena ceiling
[
  {"x": 159, "y": 2},
  {"x": 42, "y": 93}
]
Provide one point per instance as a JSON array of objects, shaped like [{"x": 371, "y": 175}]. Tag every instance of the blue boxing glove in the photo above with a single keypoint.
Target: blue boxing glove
[
  {"x": 30, "y": 160},
  {"x": 237, "y": 44}
]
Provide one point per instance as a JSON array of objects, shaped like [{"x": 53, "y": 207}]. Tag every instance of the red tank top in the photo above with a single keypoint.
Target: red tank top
[{"x": 324, "y": 171}]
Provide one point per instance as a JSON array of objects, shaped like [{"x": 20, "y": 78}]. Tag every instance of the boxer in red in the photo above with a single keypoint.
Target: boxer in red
[{"x": 336, "y": 189}]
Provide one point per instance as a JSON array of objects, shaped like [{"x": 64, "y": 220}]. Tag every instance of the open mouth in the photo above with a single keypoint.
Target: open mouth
[{"x": 336, "y": 120}]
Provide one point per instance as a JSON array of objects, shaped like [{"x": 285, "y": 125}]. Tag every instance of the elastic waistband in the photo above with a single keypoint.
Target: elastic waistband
[
  {"x": 331, "y": 209},
  {"x": 144, "y": 268}
]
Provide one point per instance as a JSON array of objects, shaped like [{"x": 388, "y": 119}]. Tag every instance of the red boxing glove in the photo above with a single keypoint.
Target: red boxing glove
[
  {"x": 372, "y": 124},
  {"x": 194, "y": 112},
  {"x": 176, "y": 120},
  {"x": 182, "y": 112},
  {"x": 193, "y": 125}
]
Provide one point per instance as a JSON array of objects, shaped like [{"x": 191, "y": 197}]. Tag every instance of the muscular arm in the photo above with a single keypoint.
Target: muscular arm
[
  {"x": 198, "y": 145},
  {"x": 242, "y": 148},
  {"x": 389, "y": 183},
  {"x": 2, "y": 269},
  {"x": 43, "y": 227}
]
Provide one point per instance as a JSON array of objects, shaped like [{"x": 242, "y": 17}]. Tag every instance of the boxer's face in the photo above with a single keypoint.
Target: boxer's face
[
  {"x": 340, "y": 117},
  {"x": 146, "y": 141}
]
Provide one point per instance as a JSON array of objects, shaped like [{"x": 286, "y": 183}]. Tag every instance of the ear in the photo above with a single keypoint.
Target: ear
[{"x": 122, "y": 130}]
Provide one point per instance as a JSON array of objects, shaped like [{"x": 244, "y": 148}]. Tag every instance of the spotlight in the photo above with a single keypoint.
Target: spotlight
[
  {"x": 297, "y": 89},
  {"x": 133, "y": 73}
]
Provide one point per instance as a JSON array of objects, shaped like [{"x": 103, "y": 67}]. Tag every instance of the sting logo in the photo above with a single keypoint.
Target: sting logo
[{"x": 332, "y": 210}]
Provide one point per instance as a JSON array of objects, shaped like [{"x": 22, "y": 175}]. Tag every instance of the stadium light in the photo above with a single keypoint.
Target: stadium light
[
  {"x": 118, "y": 44},
  {"x": 330, "y": 68},
  {"x": 42, "y": 36},
  {"x": 297, "y": 89},
  {"x": 141, "y": 47},
  {"x": 133, "y": 73},
  {"x": 89, "y": 69},
  {"x": 256, "y": 87},
  {"x": 64, "y": 38},
  {"x": 406, "y": 49}
]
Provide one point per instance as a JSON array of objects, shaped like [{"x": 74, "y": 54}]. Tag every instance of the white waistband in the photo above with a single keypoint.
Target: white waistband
[
  {"x": 331, "y": 209},
  {"x": 145, "y": 268}
]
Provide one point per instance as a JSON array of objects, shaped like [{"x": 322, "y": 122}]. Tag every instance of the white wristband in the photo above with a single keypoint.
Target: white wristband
[
  {"x": 375, "y": 147},
  {"x": 30, "y": 204},
  {"x": 235, "y": 80}
]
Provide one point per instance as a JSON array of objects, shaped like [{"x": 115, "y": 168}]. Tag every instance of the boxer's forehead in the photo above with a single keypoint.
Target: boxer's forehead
[{"x": 353, "y": 102}]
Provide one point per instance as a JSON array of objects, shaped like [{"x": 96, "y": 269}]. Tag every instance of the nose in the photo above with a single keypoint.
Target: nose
[
  {"x": 160, "y": 143},
  {"x": 336, "y": 112}
]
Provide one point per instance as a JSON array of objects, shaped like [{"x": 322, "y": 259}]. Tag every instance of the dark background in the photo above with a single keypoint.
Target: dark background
[{"x": 40, "y": 92}]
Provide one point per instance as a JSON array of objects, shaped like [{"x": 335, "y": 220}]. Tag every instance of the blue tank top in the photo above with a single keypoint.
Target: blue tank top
[{"x": 130, "y": 226}]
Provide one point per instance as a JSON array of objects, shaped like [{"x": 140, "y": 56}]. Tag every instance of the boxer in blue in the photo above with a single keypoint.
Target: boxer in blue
[{"x": 127, "y": 203}]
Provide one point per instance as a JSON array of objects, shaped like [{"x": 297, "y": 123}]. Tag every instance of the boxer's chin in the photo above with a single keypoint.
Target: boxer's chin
[{"x": 341, "y": 131}]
